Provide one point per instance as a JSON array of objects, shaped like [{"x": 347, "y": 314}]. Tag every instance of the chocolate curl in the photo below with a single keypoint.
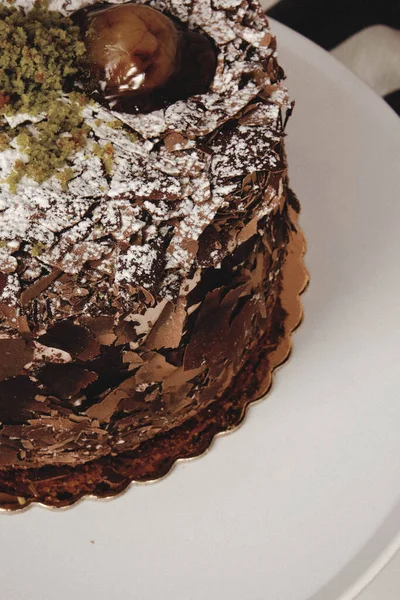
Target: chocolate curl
[
  {"x": 15, "y": 354},
  {"x": 71, "y": 338},
  {"x": 39, "y": 287},
  {"x": 101, "y": 328},
  {"x": 167, "y": 331},
  {"x": 66, "y": 380}
]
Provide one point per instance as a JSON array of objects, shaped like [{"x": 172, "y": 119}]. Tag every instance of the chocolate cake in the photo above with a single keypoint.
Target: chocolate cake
[{"x": 145, "y": 282}]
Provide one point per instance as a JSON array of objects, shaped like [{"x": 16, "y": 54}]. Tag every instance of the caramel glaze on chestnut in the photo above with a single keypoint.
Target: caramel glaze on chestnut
[{"x": 140, "y": 60}]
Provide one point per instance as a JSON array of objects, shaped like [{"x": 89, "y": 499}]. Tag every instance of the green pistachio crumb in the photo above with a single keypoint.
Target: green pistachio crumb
[
  {"x": 38, "y": 249},
  {"x": 65, "y": 177},
  {"x": 60, "y": 135},
  {"x": 39, "y": 51},
  {"x": 4, "y": 141},
  {"x": 106, "y": 155},
  {"x": 132, "y": 136},
  {"x": 115, "y": 124}
]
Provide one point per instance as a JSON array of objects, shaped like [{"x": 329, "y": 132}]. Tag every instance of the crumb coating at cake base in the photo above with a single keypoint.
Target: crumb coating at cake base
[{"x": 132, "y": 299}]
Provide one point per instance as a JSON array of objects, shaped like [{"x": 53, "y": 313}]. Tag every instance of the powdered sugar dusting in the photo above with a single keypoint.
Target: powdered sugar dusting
[{"x": 112, "y": 222}]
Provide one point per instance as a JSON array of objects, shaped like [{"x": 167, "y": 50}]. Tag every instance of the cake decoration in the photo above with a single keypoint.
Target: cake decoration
[{"x": 139, "y": 60}]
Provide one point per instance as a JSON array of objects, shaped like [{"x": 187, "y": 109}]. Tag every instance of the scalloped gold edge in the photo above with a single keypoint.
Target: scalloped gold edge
[{"x": 295, "y": 281}]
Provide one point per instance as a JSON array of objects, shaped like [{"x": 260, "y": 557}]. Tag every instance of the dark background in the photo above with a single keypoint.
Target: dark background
[{"x": 331, "y": 22}]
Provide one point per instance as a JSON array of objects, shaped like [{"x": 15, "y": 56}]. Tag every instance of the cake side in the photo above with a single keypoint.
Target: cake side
[{"x": 109, "y": 476}]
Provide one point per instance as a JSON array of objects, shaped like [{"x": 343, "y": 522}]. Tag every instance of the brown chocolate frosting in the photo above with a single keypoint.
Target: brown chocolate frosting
[{"x": 156, "y": 286}]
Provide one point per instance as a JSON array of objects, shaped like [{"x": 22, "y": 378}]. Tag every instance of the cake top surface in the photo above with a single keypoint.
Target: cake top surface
[{"x": 132, "y": 201}]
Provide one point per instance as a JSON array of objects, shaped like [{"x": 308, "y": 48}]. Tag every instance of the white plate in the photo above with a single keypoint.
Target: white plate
[{"x": 301, "y": 501}]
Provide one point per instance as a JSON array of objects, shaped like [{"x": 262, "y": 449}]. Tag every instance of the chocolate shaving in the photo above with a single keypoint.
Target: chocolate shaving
[
  {"x": 210, "y": 340},
  {"x": 73, "y": 339},
  {"x": 3, "y": 282},
  {"x": 17, "y": 401},
  {"x": 102, "y": 328},
  {"x": 154, "y": 368},
  {"x": 15, "y": 354},
  {"x": 39, "y": 287},
  {"x": 104, "y": 410},
  {"x": 66, "y": 380},
  {"x": 167, "y": 331}
]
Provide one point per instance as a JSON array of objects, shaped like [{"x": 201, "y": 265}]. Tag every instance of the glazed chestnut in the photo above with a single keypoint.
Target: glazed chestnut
[
  {"x": 132, "y": 48},
  {"x": 139, "y": 60}
]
